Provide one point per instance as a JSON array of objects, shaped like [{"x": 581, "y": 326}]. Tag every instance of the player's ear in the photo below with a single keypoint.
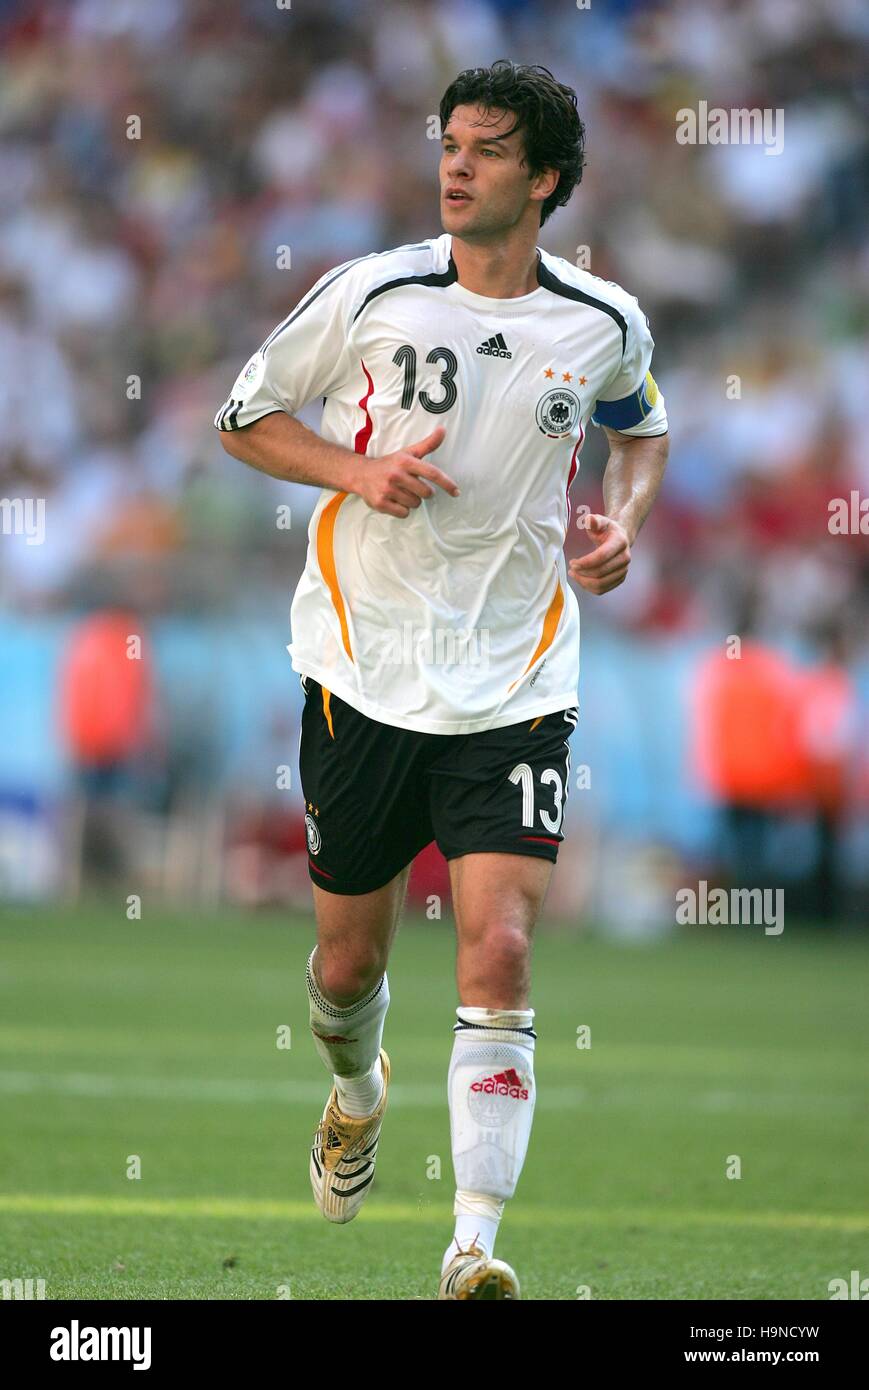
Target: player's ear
[{"x": 545, "y": 182}]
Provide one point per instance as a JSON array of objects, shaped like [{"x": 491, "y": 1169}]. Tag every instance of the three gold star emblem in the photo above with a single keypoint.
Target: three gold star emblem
[{"x": 565, "y": 376}]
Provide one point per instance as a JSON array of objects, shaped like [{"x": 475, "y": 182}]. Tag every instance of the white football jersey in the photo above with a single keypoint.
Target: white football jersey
[{"x": 459, "y": 617}]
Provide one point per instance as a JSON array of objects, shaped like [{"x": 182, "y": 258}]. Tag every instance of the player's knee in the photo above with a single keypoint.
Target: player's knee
[
  {"x": 500, "y": 947},
  {"x": 344, "y": 980}
]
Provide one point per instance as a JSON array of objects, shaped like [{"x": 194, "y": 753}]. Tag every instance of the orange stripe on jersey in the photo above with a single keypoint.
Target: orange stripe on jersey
[
  {"x": 326, "y": 526},
  {"x": 326, "y": 561},
  {"x": 327, "y": 709},
  {"x": 550, "y": 623},
  {"x": 538, "y": 720}
]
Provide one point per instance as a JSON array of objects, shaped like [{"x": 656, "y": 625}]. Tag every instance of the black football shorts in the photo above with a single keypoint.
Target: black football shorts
[{"x": 375, "y": 795}]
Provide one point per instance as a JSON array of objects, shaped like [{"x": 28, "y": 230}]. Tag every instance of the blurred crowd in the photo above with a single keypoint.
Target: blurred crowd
[
  {"x": 159, "y": 157},
  {"x": 155, "y": 155}
]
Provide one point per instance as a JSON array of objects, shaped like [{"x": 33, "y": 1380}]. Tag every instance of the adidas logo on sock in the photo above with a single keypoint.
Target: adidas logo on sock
[
  {"x": 494, "y": 347},
  {"x": 503, "y": 1083}
]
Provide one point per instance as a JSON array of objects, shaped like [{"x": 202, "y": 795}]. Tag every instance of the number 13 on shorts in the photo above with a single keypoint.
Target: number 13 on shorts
[{"x": 523, "y": 776}]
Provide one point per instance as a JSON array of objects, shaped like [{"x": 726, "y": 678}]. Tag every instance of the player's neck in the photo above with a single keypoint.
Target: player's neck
[{"x": 500, "y": 271}]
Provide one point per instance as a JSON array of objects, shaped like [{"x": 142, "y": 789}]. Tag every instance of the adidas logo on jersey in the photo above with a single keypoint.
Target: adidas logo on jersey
[
  {"x": 503, "y": 1083},
  {"x": 494, "y": 347}
]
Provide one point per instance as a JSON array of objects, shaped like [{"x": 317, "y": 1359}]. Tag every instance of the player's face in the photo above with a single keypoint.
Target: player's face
[{"x": 491, "y": 173}]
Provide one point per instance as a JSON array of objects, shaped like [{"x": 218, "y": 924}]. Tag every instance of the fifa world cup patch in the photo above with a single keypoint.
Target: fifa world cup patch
[{"x": 249, "y": 378}]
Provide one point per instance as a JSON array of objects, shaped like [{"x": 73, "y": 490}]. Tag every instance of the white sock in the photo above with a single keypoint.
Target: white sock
[
  {"x": 348, "y": 1043},
  {"x": 360, "y": 1095},
  {"x": 492, "y": 1094},
  {"x": 477, "y": 1218}
]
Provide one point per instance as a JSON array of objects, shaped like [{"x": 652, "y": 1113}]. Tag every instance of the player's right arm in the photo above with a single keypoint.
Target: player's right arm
[
  {"x": 313, "y": 353},
  {"x": 283, "y": 447}
]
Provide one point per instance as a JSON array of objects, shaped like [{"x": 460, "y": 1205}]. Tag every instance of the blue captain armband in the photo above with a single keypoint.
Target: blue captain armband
[{"x": 631, "y": 410}]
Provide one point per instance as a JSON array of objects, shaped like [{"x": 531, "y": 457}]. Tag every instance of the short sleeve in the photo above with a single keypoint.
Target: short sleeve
[
  {"x": 632, "y": 403},
  {"x": 306, "y": 356}
]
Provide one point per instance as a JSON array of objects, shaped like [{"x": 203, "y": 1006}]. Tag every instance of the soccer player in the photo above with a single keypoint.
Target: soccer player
[{"x": 434, "y": 628}]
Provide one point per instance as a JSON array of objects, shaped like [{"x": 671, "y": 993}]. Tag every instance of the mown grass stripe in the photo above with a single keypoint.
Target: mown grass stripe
[
  {"x": 100, "y": 1086},
  {"x": 263, "y": 1209}
]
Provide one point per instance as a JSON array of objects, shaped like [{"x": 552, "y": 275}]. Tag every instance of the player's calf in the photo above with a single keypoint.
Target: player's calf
[{"x": 344, "y": 1149}]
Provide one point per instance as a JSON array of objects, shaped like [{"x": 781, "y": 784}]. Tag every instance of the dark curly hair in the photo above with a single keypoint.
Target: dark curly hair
[{"x": 553, "y": 134}]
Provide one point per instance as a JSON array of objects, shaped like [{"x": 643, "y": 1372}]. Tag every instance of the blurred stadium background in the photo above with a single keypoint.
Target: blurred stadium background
[{"x": 136, "y": 277}]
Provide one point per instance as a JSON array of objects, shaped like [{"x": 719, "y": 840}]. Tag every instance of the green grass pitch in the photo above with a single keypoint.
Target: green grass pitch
[{"x": 158, "y": 1038}]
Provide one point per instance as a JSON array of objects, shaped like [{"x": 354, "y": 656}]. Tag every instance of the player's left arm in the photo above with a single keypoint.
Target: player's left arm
[
  {"x": 632, "y": 413},
  {"x": 633, "y": 476}
]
